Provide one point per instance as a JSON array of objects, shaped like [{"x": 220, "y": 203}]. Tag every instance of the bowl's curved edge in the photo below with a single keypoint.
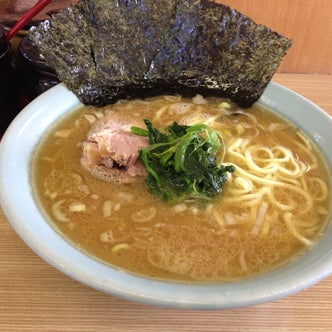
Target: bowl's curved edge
[{"x": 125, "y": 285}]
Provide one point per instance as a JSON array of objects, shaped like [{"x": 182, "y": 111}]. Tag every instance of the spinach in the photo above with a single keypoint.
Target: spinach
[{"x": 182, "y": 161}]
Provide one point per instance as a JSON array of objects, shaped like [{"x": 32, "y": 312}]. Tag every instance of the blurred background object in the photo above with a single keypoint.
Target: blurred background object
[
  {"x": 20, "y": 6},
  {"x": 307, "y": 22},
  {"x": 9, "y": 89},
  {"x": 12, "y": 10},
  {"x": 23, "y": 72}
]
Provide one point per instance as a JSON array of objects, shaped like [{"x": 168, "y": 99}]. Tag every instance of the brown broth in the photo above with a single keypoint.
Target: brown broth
[{"x": 187, "y": 241}]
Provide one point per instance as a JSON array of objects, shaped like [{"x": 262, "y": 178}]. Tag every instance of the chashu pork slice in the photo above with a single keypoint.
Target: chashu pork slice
[{"x": 111, "y": 151}]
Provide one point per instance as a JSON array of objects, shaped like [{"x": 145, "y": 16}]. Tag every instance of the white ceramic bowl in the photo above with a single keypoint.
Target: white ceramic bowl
[{"x": 18, "y": 203}]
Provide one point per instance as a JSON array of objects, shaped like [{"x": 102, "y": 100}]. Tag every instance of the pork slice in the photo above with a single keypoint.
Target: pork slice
[{"x": 111, "y": 151}]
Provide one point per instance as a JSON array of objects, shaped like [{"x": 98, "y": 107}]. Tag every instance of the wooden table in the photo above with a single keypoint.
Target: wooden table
[{"x": 36, "y": 297}]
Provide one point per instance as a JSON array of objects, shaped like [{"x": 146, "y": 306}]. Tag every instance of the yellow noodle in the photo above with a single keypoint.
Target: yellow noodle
[
  {"x": 241, "y": 186},
  {"x": 268, "y": 169},
  {"x": 258, "y": 149},
  {"x": 307, "y": 149},
  {"x": 260, "y": 218},
  {"x": 242, "y": 260},
  {"x": 290, "y": 206},
  {"x": 257, "y": 179},
  {"x": 304, "y": 194},
  {"x": 291, "y": 227},
  {"x": 304, "y": 140},
  {"x": 247, "y": 197},
  {"x": 294, "y": 181},
  {"x": 323, "y": 188},
  {"x": 159, "y": 113}
]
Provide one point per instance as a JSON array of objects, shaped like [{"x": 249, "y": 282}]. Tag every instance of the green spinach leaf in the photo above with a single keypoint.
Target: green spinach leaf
[{"x": 183, "y": 161}]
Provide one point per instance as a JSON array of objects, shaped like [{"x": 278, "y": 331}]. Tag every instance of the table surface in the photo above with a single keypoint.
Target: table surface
[{"x": 36, "y": 297}]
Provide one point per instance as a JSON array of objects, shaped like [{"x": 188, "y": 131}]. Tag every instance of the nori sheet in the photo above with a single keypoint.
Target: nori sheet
[
  {"x": 223, "y": 52},
  {"x": 123, "y": 51},
  {"x": 106, "y": 50}
]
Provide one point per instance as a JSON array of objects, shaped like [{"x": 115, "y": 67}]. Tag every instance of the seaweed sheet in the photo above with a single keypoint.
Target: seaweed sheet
[{"x": 106, "y": 50}]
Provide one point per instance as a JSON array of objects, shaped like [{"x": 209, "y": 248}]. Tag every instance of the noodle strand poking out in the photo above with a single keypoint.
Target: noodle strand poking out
[
  {"x": 292, "y": 228},
  {"x": 274, "y": 205}
]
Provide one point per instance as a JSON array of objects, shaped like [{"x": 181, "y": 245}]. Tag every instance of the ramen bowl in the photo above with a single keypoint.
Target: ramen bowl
[{"x": 25, "y": 216}]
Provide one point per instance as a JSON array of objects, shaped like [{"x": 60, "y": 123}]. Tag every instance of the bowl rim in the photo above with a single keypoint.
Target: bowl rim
[{"x": 30, "y": 224}]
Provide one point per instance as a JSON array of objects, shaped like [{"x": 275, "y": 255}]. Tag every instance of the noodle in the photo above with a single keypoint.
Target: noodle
[
  {"x": 279, "y": 169},
  {"x": 291, "y": 226}
]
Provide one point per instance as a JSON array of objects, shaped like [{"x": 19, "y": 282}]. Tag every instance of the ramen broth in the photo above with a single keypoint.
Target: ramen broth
[{"x": 274, "y": 205}]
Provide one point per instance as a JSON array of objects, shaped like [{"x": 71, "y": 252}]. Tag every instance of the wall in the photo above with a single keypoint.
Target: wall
[{"x": 307, "y": 22}]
